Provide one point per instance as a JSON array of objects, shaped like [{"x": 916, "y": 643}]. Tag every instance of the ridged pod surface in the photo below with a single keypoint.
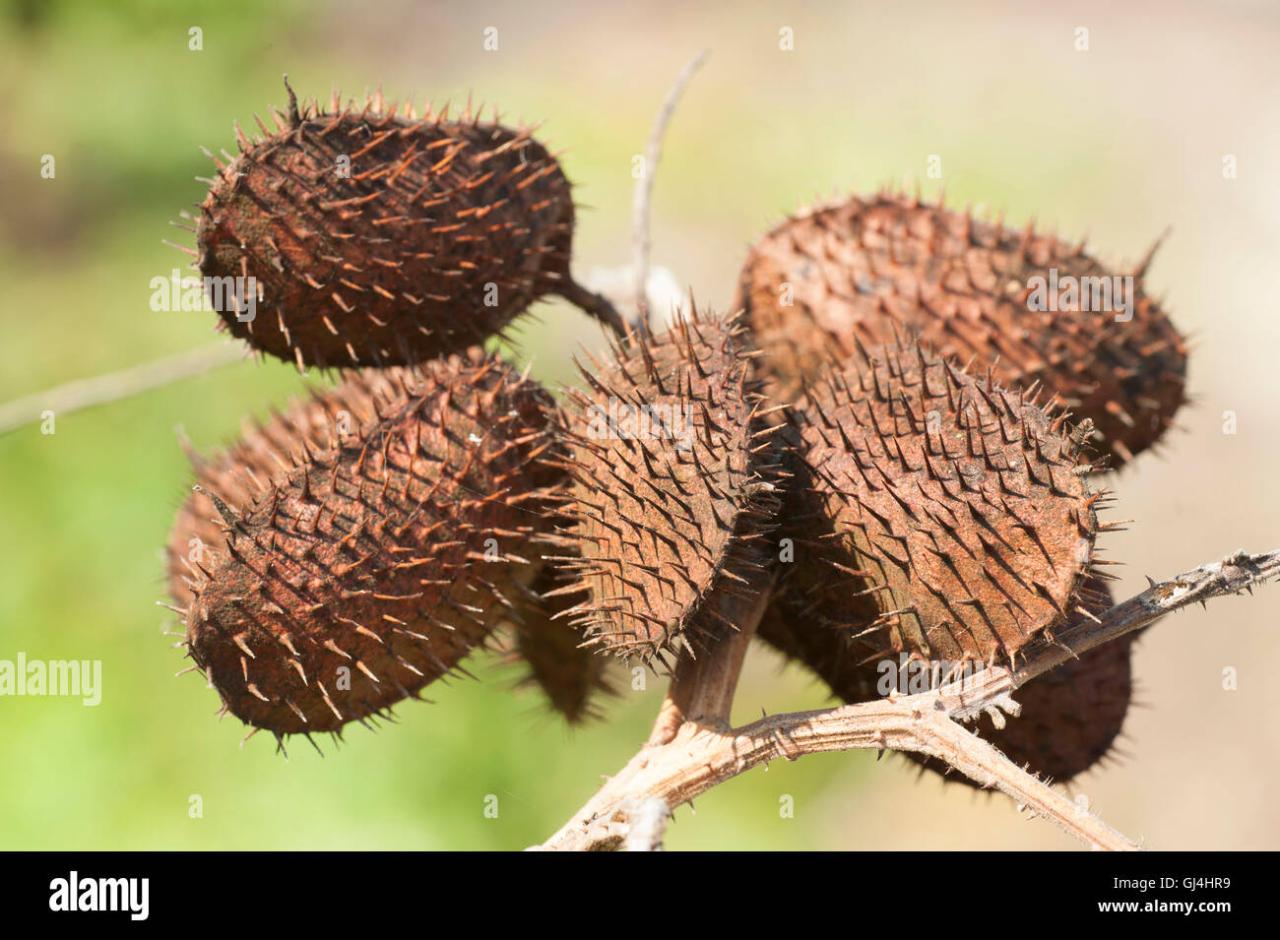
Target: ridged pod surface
[
  {"x": 865, "y": 270},
  {"x": 379, "y": 238},
  {"x": 373, "y": 567},
  {"x": 941, "y": 514},
  {"x": 265, "y": 452},
  {"x": 554, "y": 655},
  {"x": 673, "y": 470},
  {"x": 1070, "y": 717}
]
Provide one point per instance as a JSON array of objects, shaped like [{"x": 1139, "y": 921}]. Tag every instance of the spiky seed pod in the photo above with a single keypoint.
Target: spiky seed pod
[
  {"x": 819, "y": 636},
  {"x": 373, "y": 568},
  {"x": 379, "y": 238},
  {"x": 864, "y": 270},
  {"x": 554, "y": 654},
  {"x": 950, "y": 513},
  {"x": 1070, "y": 716},
  {"x": 673, "y": 467},
  {"x": 265, "y": 453}
]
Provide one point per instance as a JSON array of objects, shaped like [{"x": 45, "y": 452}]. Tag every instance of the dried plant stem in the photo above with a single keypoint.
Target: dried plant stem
[
  {"x": 114, "y": 386},
  {"x": 644, "y": 189},
  {"x": 703, "y": 686},
  {"x": 698, "y": 756},
  {"x": 597, "y": 305}
]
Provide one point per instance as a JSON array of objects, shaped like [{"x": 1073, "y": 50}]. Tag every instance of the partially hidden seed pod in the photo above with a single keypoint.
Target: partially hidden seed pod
[
  {"x": 1035, "y": 308},
  {"x": 1070, "y": 716},
  {"x": 376, "y": 237},
  {"x": 940, "y": 514},
  {"x": 554, "y": 655},
  {"x": 372, "y": 568},
  {"x": 673, "y": 467}
]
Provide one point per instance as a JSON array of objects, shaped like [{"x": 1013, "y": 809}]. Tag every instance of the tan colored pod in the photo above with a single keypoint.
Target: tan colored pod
[
  {"x": 673, "y": 469},
  {"x": 944, "y": 515},
  {"x": 1070, "y": 717},
  {"x": 554, "y": 654},
  {"x": 1039, "y": 311}
]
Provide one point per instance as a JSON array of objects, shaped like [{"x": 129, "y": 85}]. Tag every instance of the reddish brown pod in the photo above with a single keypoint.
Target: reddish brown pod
[
  {"x": 266, "y": 452},
  {"x": 939, "y": 513},
  {"x": 554, "y": 653},
  {"x": 376, "y": 237},
  {"x": 1070, "y": 716},
  {"x": 674, "y": 469},
  {"x": 373, "y": 567},
  {"x": 1030, "y": 306}
]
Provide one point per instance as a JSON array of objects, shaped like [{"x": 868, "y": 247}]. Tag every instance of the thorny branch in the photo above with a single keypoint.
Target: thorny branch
[{"x": 696, "y": 756}]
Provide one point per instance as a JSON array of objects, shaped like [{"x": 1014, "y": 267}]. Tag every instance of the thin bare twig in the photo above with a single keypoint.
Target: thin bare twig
[
  {"x": 1235, "y": 574},
  {"x": 699, "y": 757},
  {"x": 114, "y": 386},
  {"x": 644, "y": 189}
]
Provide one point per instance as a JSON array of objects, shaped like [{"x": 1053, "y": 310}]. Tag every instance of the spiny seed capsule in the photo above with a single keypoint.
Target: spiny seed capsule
[
  {"x": 364, "y": 235},
  {"x": 554, "y": 655},
  {"x": 1032, "y": 307},
  {"x": 1070, "y": 716},
  {"x": 265, "y": 453},
  {"x": 372, "y": 568},
  {"x": 944, "y": 515},
  {"x": 673, "y": 469}
]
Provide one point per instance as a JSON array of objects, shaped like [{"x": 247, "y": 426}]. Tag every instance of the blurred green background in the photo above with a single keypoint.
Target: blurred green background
[{"x": 1117, "y": 141}]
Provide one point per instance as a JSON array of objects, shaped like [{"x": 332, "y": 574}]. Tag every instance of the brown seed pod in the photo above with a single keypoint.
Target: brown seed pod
[
  {"x": 553, "y": 651},
  {"x": 1034, "y": 308},
  {"x": 950, "y": 514},
  {"x": 372, "y": 568},
  {"x": 673, "y": 473},
  {"x": 1070, "y": 717},
  {"x": 375, "y": 237},
  {"x": 265, "y": 453},
  {"x": 819, "y": 636}
]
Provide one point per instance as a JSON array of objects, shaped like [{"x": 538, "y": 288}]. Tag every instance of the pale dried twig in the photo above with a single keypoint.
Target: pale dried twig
[
  {"x": 114, "y": 386},
  {"x": 644, "y": 190},
  {"x": 698, "y": 756},
  {"x": 648, "y": 823}
]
